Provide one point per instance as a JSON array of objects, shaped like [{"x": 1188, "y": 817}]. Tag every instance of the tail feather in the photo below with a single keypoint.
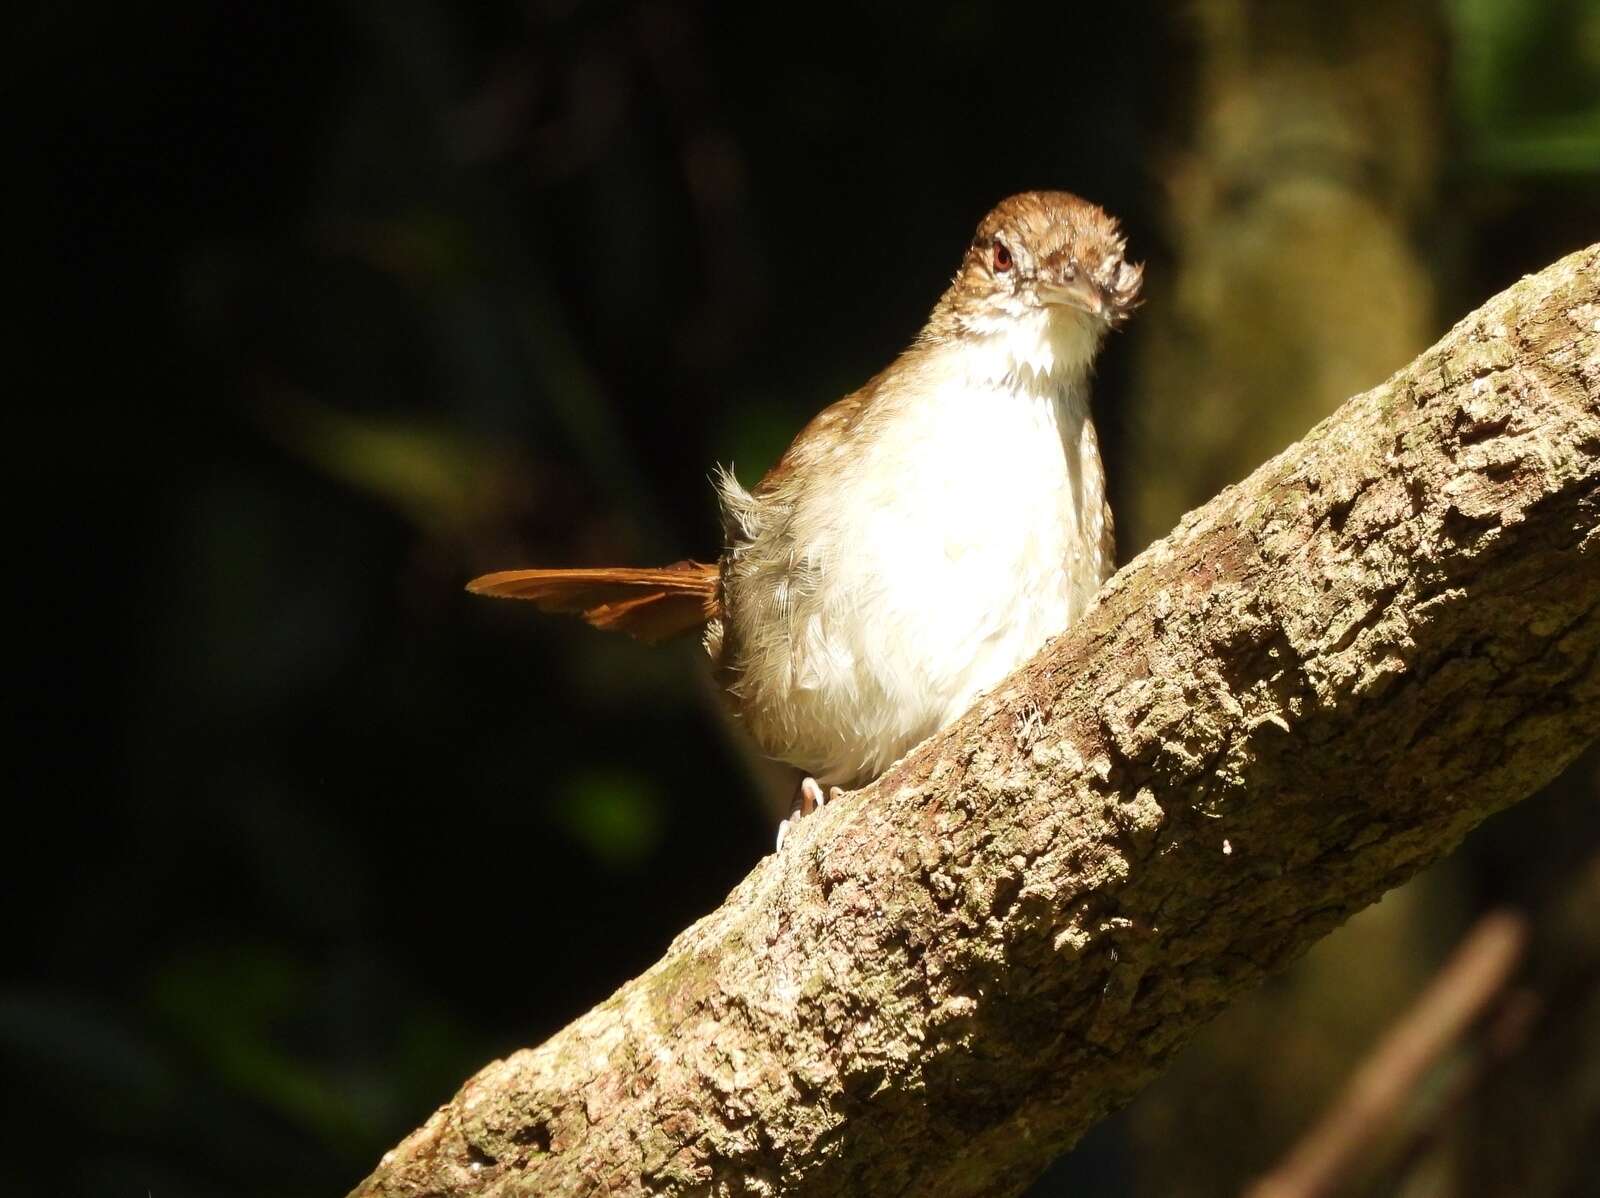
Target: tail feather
[{"x": 651, "y": 605}]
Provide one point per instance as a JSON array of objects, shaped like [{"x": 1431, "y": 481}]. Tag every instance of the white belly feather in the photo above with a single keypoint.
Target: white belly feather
[{"x": 924, "y": 570}]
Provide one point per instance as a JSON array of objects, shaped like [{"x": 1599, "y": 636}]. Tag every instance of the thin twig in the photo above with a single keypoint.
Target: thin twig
[{"x": 1465, "y": 988}]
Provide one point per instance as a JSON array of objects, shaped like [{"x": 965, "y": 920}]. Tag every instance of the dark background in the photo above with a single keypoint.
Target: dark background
[{"x": 328, "y": 308}]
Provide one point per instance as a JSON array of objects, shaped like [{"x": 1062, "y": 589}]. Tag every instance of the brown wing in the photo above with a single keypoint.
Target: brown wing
[
  {"x": 650, "y": 605},
  {"x": 816, "y": 440}
]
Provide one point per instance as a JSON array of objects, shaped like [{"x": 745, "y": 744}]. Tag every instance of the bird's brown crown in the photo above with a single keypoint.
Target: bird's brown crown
[{"x": 1042, "y": 249}]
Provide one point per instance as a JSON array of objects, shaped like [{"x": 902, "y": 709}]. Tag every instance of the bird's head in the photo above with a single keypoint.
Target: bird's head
[{"x": 1043, "y": 252}]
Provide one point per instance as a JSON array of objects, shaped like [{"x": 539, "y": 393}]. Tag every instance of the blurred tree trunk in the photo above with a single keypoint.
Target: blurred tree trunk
[{"x": 1306, "y": 162}]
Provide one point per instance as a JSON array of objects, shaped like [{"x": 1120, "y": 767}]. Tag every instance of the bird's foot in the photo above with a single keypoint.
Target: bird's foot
[{"x": 808, "y": 797}]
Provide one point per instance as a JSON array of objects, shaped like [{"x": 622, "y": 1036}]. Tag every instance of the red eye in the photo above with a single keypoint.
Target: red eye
[{"x": 1002, "y": 257}]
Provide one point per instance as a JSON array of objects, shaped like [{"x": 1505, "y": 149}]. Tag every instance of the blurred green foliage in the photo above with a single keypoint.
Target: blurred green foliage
[
  {"x": 1527, "y": 84},
  {"x": 617, "y": 817}
]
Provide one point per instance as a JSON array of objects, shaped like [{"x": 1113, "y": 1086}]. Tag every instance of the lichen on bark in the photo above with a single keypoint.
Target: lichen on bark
[{"x": 1317, "y": 684}]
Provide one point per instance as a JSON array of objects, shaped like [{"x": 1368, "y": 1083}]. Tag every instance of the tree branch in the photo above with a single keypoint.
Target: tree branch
[
  {"x": 1311, "y": 689},
  {"x": 1371, "y": 1106}
]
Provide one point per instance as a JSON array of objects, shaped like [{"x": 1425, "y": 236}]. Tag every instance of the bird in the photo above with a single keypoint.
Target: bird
[{"x": 922, "y": 537}]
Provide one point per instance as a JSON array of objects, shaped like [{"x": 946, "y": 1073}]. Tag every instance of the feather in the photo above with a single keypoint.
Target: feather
[{"x": 651, "y": 605}]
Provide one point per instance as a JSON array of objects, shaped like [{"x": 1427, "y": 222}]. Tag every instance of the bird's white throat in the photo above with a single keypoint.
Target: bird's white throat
[{"x": 1032, "y": 348}]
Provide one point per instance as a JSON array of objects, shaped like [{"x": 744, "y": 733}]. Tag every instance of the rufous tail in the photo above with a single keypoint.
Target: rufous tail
[{"x": 651, "y": 605}]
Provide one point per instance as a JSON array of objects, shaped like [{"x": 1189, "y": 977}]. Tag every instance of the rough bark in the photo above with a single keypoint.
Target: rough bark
[{"x": 1311, "y": 689}]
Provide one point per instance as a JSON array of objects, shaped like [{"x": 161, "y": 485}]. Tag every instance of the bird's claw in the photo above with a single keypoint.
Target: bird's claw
[{"x": 808, "y": 797}]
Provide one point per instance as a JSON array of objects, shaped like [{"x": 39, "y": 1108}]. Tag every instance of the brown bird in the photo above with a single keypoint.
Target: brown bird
[{"x": 922, "y": 537}]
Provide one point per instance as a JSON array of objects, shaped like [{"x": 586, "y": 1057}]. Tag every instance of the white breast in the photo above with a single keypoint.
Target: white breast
[{"x": 929, "y": 567}]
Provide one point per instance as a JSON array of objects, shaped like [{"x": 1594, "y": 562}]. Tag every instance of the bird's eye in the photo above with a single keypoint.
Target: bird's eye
[{"x": 1002, "y": 257}]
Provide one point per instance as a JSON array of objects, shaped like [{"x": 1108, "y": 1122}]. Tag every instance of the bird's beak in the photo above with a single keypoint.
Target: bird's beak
[
  {"x": 1109, "y": 293},
  {"x": 1080, "y": 293}
]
